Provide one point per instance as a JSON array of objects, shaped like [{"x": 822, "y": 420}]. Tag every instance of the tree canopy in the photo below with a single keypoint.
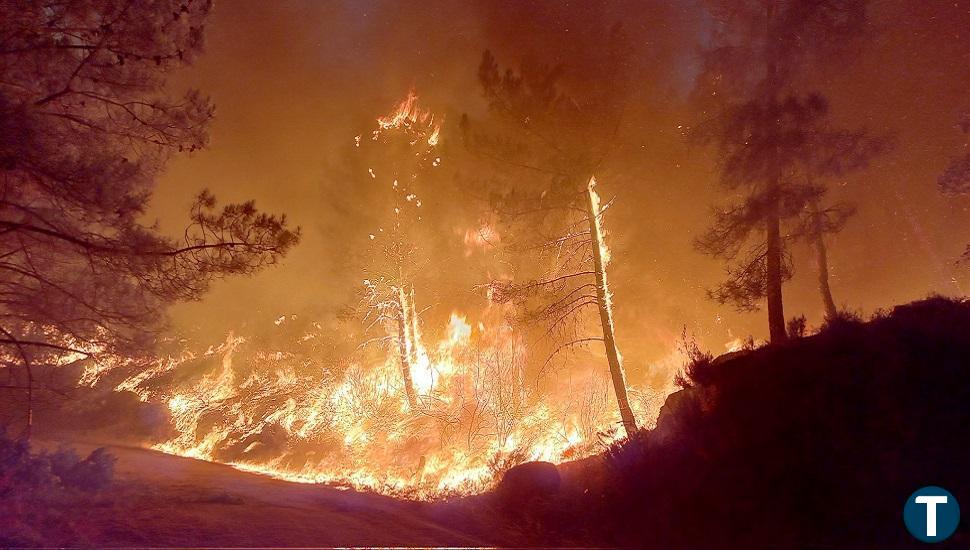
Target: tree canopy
[{"x": 86, "y": 127}]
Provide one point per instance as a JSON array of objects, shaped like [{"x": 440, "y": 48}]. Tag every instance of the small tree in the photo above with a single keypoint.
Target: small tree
[
  {"x": 407, "y": 141},
  {"x": 819, "y": 223},
  {"x": 830, "y": 153},
  {"x": 816, "y": 152}
]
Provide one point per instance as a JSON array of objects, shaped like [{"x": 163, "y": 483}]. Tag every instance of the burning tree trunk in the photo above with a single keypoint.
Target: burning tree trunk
[
  {"x": 387, "y": 305},
  {"x": 565, "y": 292},
  {"x": 405, "y": 347},
  {"x": 564, "y": 139},
  {"x": 605, "y": 306},
  {"x": 407, "y": 141},
  {"x": 414, "y": 335}
]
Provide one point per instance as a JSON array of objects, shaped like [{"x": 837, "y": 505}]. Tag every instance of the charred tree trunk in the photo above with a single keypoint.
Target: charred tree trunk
[
  {"x": 606, "y": 310},
  {"x": 773, "y": 253},
  {"x": 404, "y": 346},
  {"x": 822, "y": 262},
  {"x": 773, "y": 259}
]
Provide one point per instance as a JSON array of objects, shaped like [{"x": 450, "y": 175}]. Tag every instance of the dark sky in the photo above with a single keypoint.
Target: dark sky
[{"x": 295, "y": 81}]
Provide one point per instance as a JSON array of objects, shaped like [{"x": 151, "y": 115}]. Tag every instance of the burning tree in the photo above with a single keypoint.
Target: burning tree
[
  {"x": 85, "y": 130},
  {"x": 559, "y": 141},
  {"x": 760, "y": 126},
  {"x": 388, "y": 303},
  {"x": 409, "y": 138}
]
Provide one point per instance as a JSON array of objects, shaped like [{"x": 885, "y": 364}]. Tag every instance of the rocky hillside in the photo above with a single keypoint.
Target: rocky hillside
[{"x": 817, "y": 442}]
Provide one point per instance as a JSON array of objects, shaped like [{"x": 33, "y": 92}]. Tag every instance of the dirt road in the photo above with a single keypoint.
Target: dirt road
[{"x": 163, "y": 500}]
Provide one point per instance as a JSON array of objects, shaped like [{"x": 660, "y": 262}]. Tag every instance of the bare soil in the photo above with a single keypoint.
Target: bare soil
[{"x": 164, "y": 500}]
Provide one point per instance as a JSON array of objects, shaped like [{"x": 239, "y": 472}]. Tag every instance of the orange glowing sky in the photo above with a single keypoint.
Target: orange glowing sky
[{"x": 294, "y": 82}]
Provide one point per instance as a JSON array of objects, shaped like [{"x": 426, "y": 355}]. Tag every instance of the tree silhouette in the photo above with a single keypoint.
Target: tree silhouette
[
  {"x": 955, "y": 180},
  {"x": 830, "y": 153},
  {"x": 85, "y": 129},
  {"x": 760, "y": 123}
]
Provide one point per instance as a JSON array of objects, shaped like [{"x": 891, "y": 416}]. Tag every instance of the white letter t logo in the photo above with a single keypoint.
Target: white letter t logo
[{"x": 931, "y": 503}]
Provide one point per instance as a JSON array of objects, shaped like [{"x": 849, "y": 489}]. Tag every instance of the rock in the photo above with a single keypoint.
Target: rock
[
  {"x": 530, "y": 480},
  {"x": 677, "y": 406}
]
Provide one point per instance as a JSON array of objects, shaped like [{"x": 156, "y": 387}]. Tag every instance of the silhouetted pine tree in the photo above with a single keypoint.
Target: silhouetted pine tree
[{"x": 760, "y": 124}]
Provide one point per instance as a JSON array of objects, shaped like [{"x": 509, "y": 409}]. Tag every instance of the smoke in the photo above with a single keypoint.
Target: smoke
[{"x": 294, "y": 83}]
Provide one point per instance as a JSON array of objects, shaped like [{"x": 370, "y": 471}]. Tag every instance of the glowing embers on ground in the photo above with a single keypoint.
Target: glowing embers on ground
[{"x": 281, "y": 414}]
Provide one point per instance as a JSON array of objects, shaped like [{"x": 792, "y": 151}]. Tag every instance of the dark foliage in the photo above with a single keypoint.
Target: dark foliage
[
  {"x": 796, "y": 327},
  {"x": 698, "y": 363},
  {"x": 774, "y": 140},
  {"x": 955, "y": 180},
  {"x": 843, "y": 321},
  {"x": 87, "y": 124},
  {"x": 22, "y": 472},
  {"x": 817, "y": 442},
  {"x": 37, "y": 490}
]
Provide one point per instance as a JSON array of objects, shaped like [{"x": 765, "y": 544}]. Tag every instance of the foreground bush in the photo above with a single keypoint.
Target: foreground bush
[{"x": 36, "y": 490}]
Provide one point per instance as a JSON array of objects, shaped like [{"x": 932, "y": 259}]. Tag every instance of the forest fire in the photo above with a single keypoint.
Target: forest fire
[
  {"x": 480, "y": 274},
  {"x": 267, "y": 412},
  {"x": 422, "y": 419}
]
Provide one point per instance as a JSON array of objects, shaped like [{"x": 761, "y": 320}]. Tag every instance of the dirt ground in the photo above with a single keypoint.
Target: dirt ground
[{"x": 164, "y": 500}]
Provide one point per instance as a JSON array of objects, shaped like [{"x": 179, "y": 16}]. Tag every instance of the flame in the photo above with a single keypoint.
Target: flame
[
  {"x": 418, "y": 122},
  {"x": 272, "y": 412},
  {"x": 734, "y": 345},
  {"x": 351, "y": 422},
  {"x": 595, "y": 198}
]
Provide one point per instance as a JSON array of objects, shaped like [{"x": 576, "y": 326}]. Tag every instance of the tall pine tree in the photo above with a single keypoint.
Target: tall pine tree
[{"x": 760, "y": 122}]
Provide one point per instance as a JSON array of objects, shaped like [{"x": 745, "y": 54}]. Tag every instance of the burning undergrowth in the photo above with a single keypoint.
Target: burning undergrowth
[{"x": 292, "y": 415}]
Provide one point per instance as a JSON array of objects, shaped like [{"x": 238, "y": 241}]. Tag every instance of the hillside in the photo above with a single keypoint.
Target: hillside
[{"x": 817, "y": 442}]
